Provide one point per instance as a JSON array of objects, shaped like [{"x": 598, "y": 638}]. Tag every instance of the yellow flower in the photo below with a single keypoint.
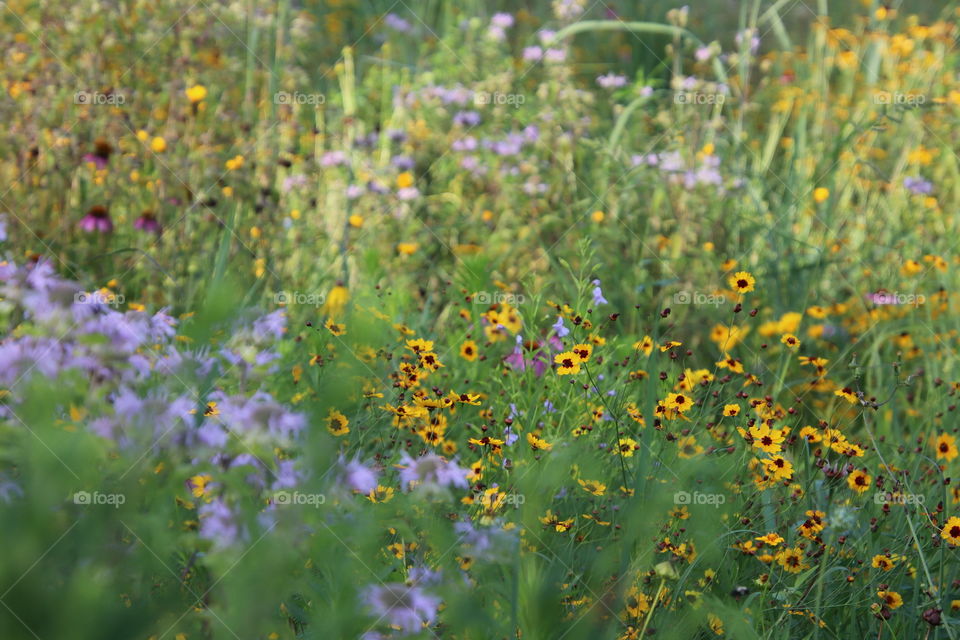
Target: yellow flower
[
  {"x": 405, "y": 180},
  {"x": 951, "y": 531},
  {"x": 567, "y": 362},
  {"x": 859, "y": 480},
  {"x": 593, "y": 487},
  {"x": 538, "y": 444},
  {"x": 407, "y": 248},
  {"x": 892, "y": 599},
  {"x": 742, "y": 282},
  {"x": 820, "y": 194},
  {"x": 946, "y": 446},
  {"x": 468, "y": 350},
  {"x": 336, "y": 301},
  {"x": 196, "y": 93},
  {"x": 158, "y": 145},
  {"x": 792, "y": 341},
  {"x": 337, "y": 423}
]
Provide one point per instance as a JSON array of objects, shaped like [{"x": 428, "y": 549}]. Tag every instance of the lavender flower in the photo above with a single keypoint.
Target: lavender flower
[
  {"x": 533, "y": 53},
  {"x": 358, "y": 477},
  {"x": 397, "y": 23},
  {"x": 431, "y": 472},
  {"x": 918, "y": 186},
  {"x": 612, "y": 81},
  {"x": 598, "y": 298},
  {"x": 466, "y": 118},
  {"x": 406, "y": 607},
  {"x": 218, "y": 523},
  {"x": 559, "y": 329},
  {"x": 502, "y": 20}
]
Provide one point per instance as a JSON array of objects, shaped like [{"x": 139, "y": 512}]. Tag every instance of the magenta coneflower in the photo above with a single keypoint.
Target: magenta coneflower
[
  {"x": 97, "y": 220},
  {"x": 101, "y": 153},
  {"x": 147, "y": 222}
]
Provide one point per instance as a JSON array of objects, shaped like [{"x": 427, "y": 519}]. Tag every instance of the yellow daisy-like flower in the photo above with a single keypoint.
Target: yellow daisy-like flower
[
  {"x": 792, "y": 341},
  {"x": 742, "y": 282},
  {"x": 771, "y": 539},
  {"x": 891, "y": 599},
  {"x": 468, "y": 350},
  {"x": 678, "y": 402},
  {"x": 405, "y": 180},
  {"x": 951, "y": 531},
  {"x": 567, "y": 362},
  {"x": 731, "y": 410},
  {"x": 859, "y": 480},
  {"x": 337, "y": 423},
  {"x": 196, "y": 93},
  {"x": 593, "y": 487},
  {"x": 334, "y": 328},
  {"x": 946, "y": 446}
]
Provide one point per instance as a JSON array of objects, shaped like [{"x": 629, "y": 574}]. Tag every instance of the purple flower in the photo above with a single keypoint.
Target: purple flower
[
  {"x": 97, "y": 220},
  {"x": 555, "y": 55},
  {"x": 147, "y": 222},
  {"x": 466, "y": 118},
  {"x": 467, "y": 143},
  {"x": 358, "y": 477},
  {"x": 99, "y": 162},
  {"x": 406, "y": 607},
  {"x": 598, "y": 298},
  {"x": 354, "y": 191},
  {"x": 271, "y": 326},
  {"x": 502, "y": 20},
  {"x": 217, "y": 523},
  {"x": 559, "y": 329},
  {"x": 333, "y": 159},
  {"x": 754, "y": 40},
  {"x": 431, "y": 472},
  {"x": 408, "y": 193},
  {"x": 404, "y": 163},
  {"x": 612, "y": 81},
  {"x": 397, "y": 23},
  {"x": 295, "y": 181},
  {"x": 532, "y": 53},
  {"x": 918, "y": 185},
  {"x": 258, "y": 415}
]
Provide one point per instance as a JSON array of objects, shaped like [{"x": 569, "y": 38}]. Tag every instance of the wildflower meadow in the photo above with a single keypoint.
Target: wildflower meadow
[{"x": 449, "y": 319}]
